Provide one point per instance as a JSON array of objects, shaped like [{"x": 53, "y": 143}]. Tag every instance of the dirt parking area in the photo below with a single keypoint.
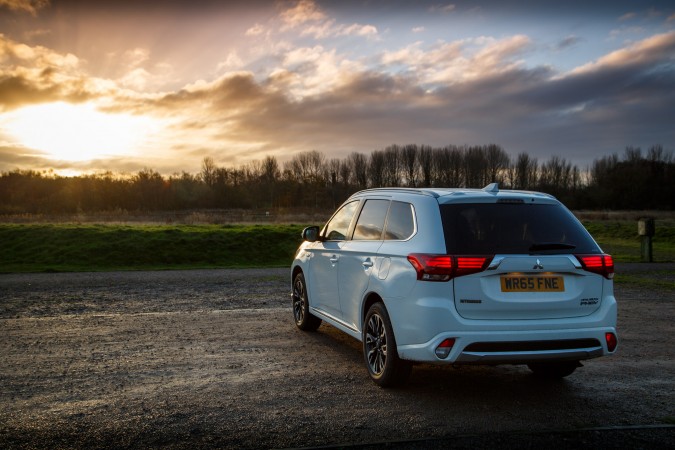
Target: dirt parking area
[{"x": 190, "y": 359}]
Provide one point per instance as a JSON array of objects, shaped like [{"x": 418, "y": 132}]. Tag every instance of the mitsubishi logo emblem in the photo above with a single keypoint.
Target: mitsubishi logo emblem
[{"x": 538, "y": 265}]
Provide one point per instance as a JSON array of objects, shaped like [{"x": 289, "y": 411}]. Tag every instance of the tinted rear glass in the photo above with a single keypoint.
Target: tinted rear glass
[
  {"x": 499, "y": 228},
  {"x": 400, "y": 224}
]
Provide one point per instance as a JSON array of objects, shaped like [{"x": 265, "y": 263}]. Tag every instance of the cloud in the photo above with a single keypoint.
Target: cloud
[
  {"x": 452, "y": 62},
  {"x": 329, "y": 28},
  {"x": 304, "y": 11},
  {"x": 232, "y": 62},
  {"x": 14, "y": 156},
  {"x": 255, "y": 30},
  {"x": 38, "y": 74},
  {"x": 29, "y": 6},
  {"x": 315, "y": 23},
  {"x": 136, "y": 57},
  {"x": 137, "y": 79},
  {"x": 619, "y": 101},
  {"x": 442, "y": 8},
  {"x": 357, "y": 30},
  {"x": 660, "y": 47},
  {"x": 627, "y": 16},
  {"x": 568, "y": 42},
  {"x": 16, "y": 52}
]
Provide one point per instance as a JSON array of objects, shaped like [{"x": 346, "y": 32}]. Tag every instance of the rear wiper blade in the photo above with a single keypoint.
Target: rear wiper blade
[{"x": 551, "y": 246}]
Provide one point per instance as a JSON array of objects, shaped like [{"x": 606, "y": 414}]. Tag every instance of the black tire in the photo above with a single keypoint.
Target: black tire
[
  {"x": 379, "y": 349},
  {"x": 303, "y": 318},
  {"x": 553, "y": 370}
]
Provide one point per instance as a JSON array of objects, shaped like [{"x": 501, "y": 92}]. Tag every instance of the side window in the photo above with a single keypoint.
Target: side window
[
  {"x": 371, "y": 220},
  {"x": 338, "y": 226},
  {"x": 401, "y": 222}
]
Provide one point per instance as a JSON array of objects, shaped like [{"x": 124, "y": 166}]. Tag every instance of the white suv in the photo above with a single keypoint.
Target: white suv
[{"x": 458, "y": 276}]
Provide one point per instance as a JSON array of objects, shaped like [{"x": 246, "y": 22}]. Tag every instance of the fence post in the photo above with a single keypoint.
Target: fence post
[{"x": 646, "y": 230}]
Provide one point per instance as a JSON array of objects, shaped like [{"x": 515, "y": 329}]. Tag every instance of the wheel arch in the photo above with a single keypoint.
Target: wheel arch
[
  {"x": 297, "y": 269},
  {"x": 370, "y": 300}
]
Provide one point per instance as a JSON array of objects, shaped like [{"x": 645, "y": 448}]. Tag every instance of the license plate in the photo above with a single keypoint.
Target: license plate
[{"x": 527, "y": 283}]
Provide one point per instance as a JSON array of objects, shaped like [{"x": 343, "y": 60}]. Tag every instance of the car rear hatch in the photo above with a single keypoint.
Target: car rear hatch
[
  {"x": 529, "y": 287},
  {"x": 539, "y": 261}
]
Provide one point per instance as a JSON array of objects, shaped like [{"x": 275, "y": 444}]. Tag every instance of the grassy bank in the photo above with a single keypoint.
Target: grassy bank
[
  {"x": 40, "y": 248},
  {"x": 91, "y": 247}
]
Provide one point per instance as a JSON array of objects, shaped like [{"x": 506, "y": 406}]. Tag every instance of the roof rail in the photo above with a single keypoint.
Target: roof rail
[{"x": 419, "y": 191}]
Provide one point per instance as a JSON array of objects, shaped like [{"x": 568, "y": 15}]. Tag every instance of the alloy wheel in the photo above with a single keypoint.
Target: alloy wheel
[{"x": 376, "y": 344}]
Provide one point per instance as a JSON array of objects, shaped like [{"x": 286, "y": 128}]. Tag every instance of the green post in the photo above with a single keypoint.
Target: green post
[{"x": 646, "y": 230}]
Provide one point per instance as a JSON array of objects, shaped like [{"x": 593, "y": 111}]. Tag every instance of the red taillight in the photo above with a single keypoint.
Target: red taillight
[
  {"x": 612, "y": 341},
  {"x": 432, "y": 267},
  {"x": 470, "y": 264},
  {"x": 600, "y": 264},
  {"x": 446, "y": 267}
]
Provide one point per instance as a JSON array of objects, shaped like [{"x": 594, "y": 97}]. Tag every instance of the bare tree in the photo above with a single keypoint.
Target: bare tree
[
  {"x": 525, "y": 172},
  {"x": 410, "y": 164},
  {"x": 308, "y": 167},
  {"x": 376, "y": 168},
  {"x": 345, "y": 172},
  {"x": 208, "y": 171},
  {"x": 426, "y": 162},
  {"x": 656, "y": 153},
  {"x": 449, "y": 166},
  {"x": 632, "y": 154},
  {"x": 555, "y": 174},
  {"x": 475, "y": 167},
  {"x": 270, "y": 169},
  {"x": 392, "y": 159},
  {"x": 497, "y": 162},
  {"x": 333, "y": 169},
  {"x": 359, "y": 167}
]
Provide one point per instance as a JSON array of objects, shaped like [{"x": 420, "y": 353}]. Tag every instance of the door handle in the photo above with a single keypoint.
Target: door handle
[
  {"x": 367, "y": 263},
  {"x": 334, "y": 259}
]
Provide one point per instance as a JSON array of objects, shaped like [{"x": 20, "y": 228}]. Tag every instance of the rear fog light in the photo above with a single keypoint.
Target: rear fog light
[
  {"x": 611, "y": 340},
  {"x": 443, "y": 350}
]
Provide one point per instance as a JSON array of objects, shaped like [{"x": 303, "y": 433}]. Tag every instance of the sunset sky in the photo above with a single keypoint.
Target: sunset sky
[{"x": 90, "y": 86}]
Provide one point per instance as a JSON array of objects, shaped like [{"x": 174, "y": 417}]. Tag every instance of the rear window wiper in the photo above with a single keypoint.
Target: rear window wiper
[{"x": 551, "y": 246}]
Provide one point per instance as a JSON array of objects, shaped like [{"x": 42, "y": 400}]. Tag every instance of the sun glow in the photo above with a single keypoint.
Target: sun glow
[{"x": 68, "y": 132}]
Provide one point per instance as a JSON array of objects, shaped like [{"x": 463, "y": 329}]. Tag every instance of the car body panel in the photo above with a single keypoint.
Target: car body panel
[
  {"x": 323, "y": 277},
  {"x": 357, "y": 264}
]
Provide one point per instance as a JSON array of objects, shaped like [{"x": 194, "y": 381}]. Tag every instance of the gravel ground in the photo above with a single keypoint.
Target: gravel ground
[{"x": 190, "y": 359}]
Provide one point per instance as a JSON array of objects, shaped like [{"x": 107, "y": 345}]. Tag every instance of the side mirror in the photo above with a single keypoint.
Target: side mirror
[{"x": 310, "y": 234}]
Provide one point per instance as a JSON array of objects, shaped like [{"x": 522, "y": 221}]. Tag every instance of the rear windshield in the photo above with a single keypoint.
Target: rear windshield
[{"x": 498, "y": 228}]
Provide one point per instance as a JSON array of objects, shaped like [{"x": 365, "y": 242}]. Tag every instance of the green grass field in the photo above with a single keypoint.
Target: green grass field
[
  {"x": 619, "y": 238},
  {"x": 69, "y": 247}
]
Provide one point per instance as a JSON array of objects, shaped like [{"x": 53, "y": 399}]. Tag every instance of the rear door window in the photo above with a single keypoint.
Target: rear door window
[
  {"x": 495, "y": 228},
  {"x": 371, "y": 220}
]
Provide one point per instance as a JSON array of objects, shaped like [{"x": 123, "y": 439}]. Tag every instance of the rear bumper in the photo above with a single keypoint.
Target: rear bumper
[
  {"x": 513, "y": 347},
  {"x": 421, "y": 325}
]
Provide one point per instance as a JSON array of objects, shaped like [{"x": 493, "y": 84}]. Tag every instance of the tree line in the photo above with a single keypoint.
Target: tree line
[{"x": 636, "y": 180}]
